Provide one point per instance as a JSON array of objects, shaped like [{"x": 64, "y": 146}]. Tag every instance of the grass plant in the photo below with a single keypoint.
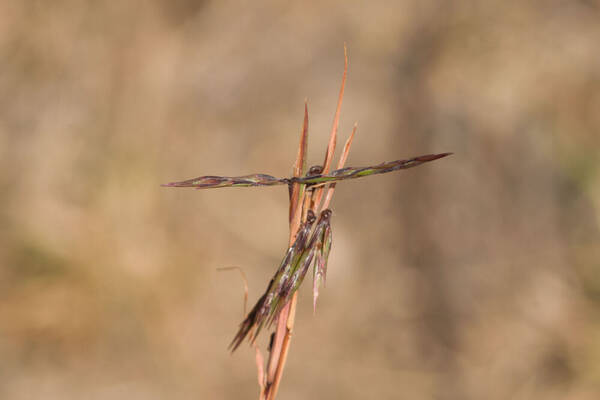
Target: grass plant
[{"x": 309, "y": 241}]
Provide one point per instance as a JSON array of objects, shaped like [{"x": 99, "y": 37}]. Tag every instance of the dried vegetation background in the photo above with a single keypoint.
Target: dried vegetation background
[{"x": 474, "y": 277}]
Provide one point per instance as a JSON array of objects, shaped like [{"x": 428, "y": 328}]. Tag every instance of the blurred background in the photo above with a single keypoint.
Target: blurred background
[{"x": 472, "y": 277}]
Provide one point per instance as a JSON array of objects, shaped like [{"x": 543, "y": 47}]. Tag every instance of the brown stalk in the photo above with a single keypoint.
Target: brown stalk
[
  {"x": 281, "y": 332},
  {"x": 285, "y": 323},
  {"x": 260, "y": 362}
]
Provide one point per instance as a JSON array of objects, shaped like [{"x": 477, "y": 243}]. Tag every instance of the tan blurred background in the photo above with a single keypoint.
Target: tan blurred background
[{"x": 473, "y": 277}]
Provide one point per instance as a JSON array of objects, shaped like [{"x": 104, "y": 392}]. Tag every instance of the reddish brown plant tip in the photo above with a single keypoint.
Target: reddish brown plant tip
[
  {"x": 346, "y": 150},
  {"x": 301, "y": 157},
  {"x": 336, "y": 120},
  {"x": 299, "y": 167},
  {"x": 340, "y": 165},
  {"x": 329, "y": 153}
]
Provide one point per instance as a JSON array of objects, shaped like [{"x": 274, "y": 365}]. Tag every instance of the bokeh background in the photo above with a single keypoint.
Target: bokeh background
[{"x": 473, "y": 277}]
